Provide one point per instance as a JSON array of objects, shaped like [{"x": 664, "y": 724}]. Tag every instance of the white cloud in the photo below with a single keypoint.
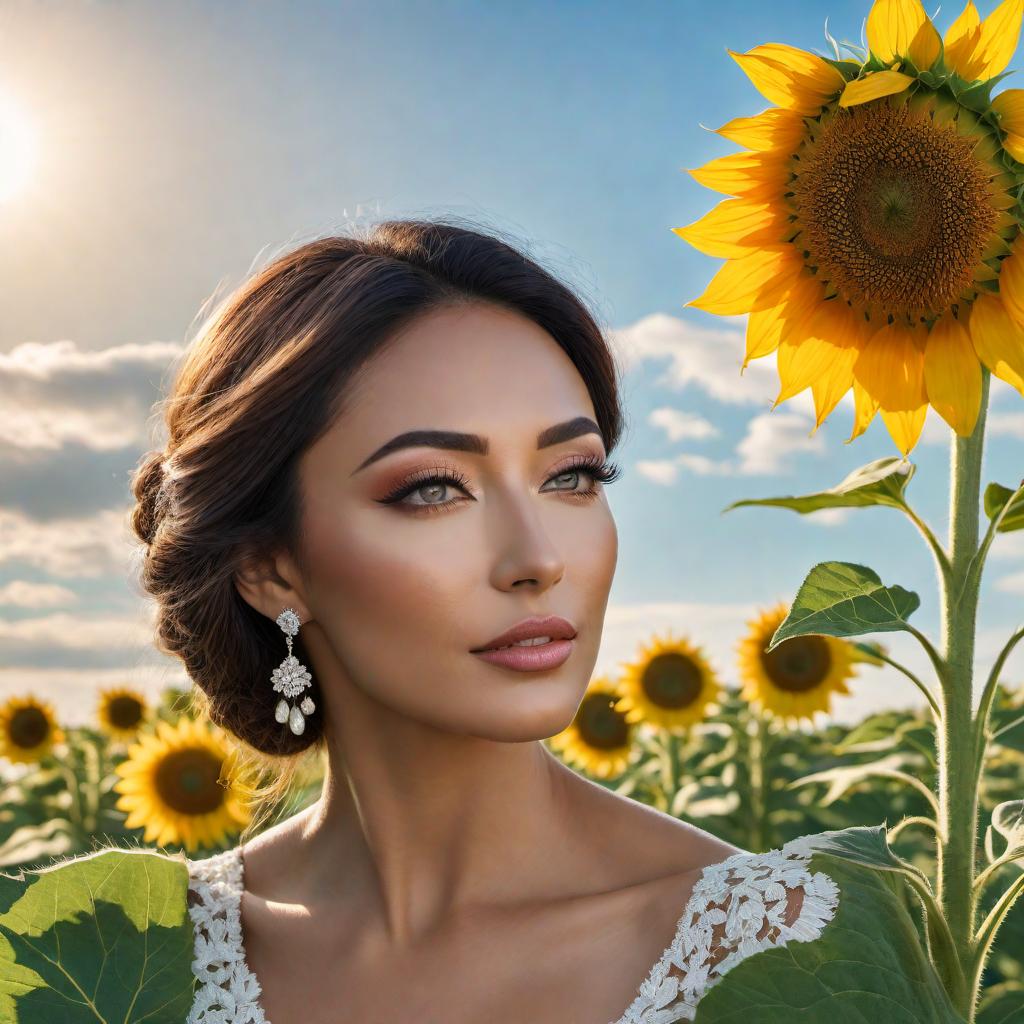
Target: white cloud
[
  {"x": 1011, "y": 584},
  {"x": 55, "y": 394},
  {"x": 61, "y": 630},
  {"x": 92, "y": 546},
  {"x": 24, "y": 594},
  {"x": 767, "y": 448},
  {"x": 772, "y": 438},
  {"x": 660, "y": 471},
  {"x": 679, "y": 424},
  {"x": 1005, "y": 424},
  {"x": 708, "y": 358}
]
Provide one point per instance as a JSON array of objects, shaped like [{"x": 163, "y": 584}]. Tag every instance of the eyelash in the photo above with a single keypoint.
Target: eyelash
[{"x": 598, "y": 469}]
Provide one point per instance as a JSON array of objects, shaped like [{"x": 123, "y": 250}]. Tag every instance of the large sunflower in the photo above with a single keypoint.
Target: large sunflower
[
  {"x": 874, "y": 234},
  {"x": 28, "y": 729},
  {"x": 180, "y": 782},
  {"x": 121, "y": 712},
  {"x": 796, "y": 678},
  {"x": 599, "y": 739},
  {"x": 670, "y": 684}
]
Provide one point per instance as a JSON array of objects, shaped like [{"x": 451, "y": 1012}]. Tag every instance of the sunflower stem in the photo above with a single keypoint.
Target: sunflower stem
[
  {"x": 941, "y": 558},
  {"x": 955, "y": 738},
  {"x": 756, "y": 749},
  {"x": 929, "y": 696}
]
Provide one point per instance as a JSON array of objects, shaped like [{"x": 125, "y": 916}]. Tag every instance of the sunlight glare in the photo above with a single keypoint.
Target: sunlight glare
[{"x": 17, "y": 149}]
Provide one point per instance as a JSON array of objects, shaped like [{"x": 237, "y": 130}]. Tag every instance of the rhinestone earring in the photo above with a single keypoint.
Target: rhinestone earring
[{"x": 291, "y": 678}]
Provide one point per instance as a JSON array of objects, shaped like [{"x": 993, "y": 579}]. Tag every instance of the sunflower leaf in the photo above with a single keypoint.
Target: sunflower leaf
[
  {"x": 844, "y": 599},
  {"x": 1008, "y": 821},
  {"x": 100, "y": 938},
  {"x": 996, "y": 496},
  {"x": 867, "y": 963},
  {"x": 843, "y": 777},
  {"x": 881, "y": 482}
]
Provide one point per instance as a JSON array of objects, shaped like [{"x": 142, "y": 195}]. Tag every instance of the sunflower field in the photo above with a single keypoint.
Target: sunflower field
[{"x": 755, "y": 764}]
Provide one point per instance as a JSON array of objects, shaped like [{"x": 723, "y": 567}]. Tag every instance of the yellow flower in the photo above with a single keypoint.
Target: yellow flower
[
  {"x": 28, "y": 729},
  {"x": 599, "y": 738},
  {"x": 671, "y": 684},
  {"x": 121, "y": 712},
  {"x": 797, "y": 677},
  {"x": 873, "y": 236},
  {"x": 180, "y": 782}
]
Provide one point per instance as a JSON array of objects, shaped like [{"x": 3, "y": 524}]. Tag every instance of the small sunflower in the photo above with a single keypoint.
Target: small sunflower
[
  {"x": 28, "y": 729},
  {"x": 180, "y": 782},
  {"x": 122, "y": 711},
  {"x": 796, "y": 678},
  {"x": 671, "y": 684},
  {"x": 599, "y": 738},
  {"x": 874, "y": 234}
]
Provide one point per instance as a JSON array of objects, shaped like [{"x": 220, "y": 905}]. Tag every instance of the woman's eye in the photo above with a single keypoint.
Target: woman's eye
[{"x": 431, "y": 490}]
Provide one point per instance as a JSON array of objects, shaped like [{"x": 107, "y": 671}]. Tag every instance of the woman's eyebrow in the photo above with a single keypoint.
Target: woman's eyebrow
[{"x": 474, "y": 443}]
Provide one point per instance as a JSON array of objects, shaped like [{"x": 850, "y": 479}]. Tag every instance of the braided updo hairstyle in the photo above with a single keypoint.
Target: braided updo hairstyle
[{"x": 266, "y": 376}]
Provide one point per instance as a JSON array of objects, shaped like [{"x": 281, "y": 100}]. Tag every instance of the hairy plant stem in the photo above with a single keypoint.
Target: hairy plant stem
[{"x": 957, "y": 778}]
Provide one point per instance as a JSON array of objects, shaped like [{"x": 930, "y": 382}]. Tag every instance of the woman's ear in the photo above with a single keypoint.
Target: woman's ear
[{"x": 270, "y": 584}]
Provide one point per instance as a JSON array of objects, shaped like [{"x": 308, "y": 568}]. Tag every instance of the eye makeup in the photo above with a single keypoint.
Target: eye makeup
[{"x": 599, "y": 470}]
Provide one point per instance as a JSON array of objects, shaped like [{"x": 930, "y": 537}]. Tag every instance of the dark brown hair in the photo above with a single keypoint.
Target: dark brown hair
[{"x": 264, "y": 378}]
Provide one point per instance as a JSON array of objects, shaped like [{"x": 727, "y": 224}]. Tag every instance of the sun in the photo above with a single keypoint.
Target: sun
[{"x": 18, "y": 148}]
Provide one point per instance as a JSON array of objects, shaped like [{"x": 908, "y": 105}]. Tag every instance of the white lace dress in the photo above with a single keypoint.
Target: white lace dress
[{"x": 738, "y": 907}]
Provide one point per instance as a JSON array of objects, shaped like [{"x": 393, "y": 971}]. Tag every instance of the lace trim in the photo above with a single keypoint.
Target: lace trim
[
  {"x": 727, "y": 910},
  {"x": 228, "y": 991}
]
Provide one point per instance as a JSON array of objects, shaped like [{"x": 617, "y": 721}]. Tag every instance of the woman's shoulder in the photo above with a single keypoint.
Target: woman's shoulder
[
  {"x": 741, "y": 904},
  {"x": 64, "y": 927}
]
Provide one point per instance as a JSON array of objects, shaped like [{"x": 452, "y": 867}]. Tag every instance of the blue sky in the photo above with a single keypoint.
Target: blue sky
[{"x": 180, "y": 145}]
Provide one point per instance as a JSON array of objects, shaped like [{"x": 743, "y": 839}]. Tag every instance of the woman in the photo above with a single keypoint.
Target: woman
[
  {"x": 388, "y": 451},
  {"x": 378, "y": 538}
]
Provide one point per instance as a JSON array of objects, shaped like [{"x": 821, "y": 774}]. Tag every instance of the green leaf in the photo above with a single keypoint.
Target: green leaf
[
  {"x": 843, "y": 599},
  {"x": 1008, "y": 821},
  {"x": 1002, "y": 1004},
  {"x": 868, "y": 963},
  {"x": 99, "y": 939},
  {"x": 881, "y": 482},
  {"x": 843, "y": 777},
  {"x": 996, "y": 496}
]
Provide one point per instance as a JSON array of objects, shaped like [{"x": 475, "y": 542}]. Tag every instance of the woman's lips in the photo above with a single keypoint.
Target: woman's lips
[{"x": 532, "y": 658}]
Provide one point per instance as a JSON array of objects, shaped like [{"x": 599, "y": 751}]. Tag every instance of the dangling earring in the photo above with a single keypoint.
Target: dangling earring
[{"x": 291, "y": 678}]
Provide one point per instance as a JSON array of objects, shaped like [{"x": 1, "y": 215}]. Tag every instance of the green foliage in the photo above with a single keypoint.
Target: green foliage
[
  {"x": 881, "y": 482},
  {"x": 97, "y": 939},
  {"x": 60, "y": 806},
  {"x": 996, "y": 497},
  {"x": 843, "y": 599},
  {"x": 868, "y": 963}
]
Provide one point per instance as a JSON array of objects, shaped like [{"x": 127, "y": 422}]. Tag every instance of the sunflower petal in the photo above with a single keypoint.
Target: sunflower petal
[
  {"x": 998, "y": 37},
  {"x": 998, "y": 340},
  {"x": 1009, "y": 105},
  {"x": 873, "y": 86},
  {"x": 864, "y": 407},
  {"x": 897, "y": 28},
  {"x": 961, "y": 42},
  {"x": 790, "y": 77},
  {"x": 952, "y": 375},
  {"x": 774, "y": 128},
  {"x": 849, "y": 338},
  {"x": 753, "y": 175},
  {"x": 814, "y": 348},
  {"x": 764, "y": 332},
  {"x": 734, "y": 227},
  {"x": 1011, "y": 281},
  {"x": 751, "y": 282},
  {"x": 890, "y": 368}
]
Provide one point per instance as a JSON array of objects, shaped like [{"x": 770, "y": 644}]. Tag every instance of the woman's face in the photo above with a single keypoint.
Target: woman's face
[{"x": 408, "y": 574}]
